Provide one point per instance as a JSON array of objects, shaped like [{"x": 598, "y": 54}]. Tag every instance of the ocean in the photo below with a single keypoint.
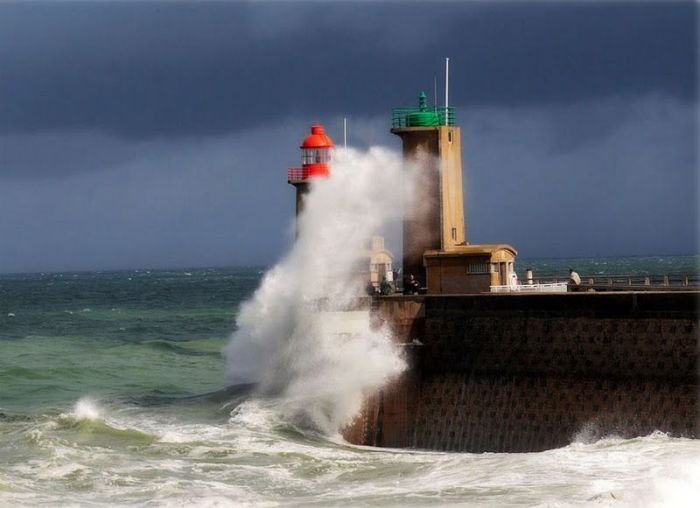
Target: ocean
[{"x": 114, "y": 390}]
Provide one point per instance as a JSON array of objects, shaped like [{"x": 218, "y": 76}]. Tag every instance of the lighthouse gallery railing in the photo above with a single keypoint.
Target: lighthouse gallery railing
[{"x": 415, "y": 117}]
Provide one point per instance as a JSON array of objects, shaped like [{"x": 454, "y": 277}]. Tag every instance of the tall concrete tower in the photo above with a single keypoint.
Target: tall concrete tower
[
  {"x": 435, "y": 218},
  {"x": 315, "y": 157}
]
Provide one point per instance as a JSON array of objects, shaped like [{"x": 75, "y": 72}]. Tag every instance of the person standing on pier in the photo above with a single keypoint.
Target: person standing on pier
[{"x": 411, "y": 286}]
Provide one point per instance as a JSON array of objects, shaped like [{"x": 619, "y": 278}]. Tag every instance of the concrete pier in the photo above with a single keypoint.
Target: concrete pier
[{"x": 518, "y": 373}]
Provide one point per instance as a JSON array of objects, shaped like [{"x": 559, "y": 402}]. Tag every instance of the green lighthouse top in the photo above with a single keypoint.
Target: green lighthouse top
[
  {"x": 422, "y": 101},
  {"x": 422, "y": 116}
]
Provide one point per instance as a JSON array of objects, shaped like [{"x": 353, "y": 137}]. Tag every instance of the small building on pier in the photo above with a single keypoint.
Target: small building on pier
[{"x": 468, "y": 269}]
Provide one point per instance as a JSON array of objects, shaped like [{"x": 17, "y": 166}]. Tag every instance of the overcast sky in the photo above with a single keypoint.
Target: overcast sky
[{"x": 157, "y": 134}]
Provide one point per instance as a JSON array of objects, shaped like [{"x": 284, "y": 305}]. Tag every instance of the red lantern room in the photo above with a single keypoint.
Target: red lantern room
[{"x": 315, "y": 156}]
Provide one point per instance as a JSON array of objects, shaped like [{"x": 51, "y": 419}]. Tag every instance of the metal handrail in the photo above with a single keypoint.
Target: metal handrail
[
  {"x": 555, "y": 287},
  {"x": 297, "y": 174},
  {"x": 678, "y": 280}
]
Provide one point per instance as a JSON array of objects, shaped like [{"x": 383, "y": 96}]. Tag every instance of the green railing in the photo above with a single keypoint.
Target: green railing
[{"x": 417, "y": 117}]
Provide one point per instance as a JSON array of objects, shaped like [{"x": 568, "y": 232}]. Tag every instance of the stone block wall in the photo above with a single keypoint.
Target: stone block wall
[{"x": 515, "y": 373}]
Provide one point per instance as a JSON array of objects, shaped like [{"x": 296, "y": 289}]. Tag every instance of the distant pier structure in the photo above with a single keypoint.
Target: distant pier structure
[{"x": 435, "y": 247}]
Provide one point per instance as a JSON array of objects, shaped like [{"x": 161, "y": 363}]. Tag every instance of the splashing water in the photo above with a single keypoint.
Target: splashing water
[
  {"x": 155, "y": 444},
  {"x": 283, "y": 341},
  {"x": 87, "y": 409}
]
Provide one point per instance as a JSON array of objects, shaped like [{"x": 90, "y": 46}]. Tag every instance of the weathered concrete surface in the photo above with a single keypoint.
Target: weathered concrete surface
[{"x": 530, "y": 372}]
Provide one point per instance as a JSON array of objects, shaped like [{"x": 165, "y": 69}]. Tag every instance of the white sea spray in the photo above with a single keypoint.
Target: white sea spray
[
  {"x": 87, "y": 408},
  {"x": 283, "y": 341}
]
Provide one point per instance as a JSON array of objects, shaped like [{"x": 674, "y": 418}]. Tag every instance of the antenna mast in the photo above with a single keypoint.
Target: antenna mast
[
  {"x": 345, "y": 132},
  {"x": 435, "y": 92},
  {"x": 447, "y": 89}
]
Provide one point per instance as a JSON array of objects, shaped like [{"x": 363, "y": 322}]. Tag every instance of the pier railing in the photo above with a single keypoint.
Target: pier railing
[
  {"x": 667, "y": 282},
  {"x": 545, "y": 287}
]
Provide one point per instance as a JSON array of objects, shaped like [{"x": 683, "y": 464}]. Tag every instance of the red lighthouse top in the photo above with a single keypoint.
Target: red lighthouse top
[
  {"x": 315, "y": 156},
  {"x": 317, "y": 138}
]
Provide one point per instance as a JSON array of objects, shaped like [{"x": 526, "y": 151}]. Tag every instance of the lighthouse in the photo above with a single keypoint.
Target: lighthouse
[
  {"x": 435, "y": 247},
  {"x": 315, "y": 159},
  {"x": 436, "y": 219}
]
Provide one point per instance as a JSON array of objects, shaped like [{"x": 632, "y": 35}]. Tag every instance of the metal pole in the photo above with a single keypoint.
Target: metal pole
[
  {"x": 447, "y": 89},
  {"x": 435, "y": 92}
]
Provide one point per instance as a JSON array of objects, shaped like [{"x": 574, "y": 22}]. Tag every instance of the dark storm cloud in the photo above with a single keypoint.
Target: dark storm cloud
[
  {"x": 158, "y": 134},
  {"x": 633, "y": 190},
  {"x": 199, "y": 202},
  {"x": 144, "y": 70}
]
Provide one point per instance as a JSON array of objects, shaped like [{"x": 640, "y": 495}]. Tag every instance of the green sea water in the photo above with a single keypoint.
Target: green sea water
[
  {"x": 113, "y": 391},
  {"x": 116, "y": 334}
]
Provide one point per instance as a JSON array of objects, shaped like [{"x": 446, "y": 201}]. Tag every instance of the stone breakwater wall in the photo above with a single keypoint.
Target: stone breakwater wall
[{"x": 517, "y": 373}]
